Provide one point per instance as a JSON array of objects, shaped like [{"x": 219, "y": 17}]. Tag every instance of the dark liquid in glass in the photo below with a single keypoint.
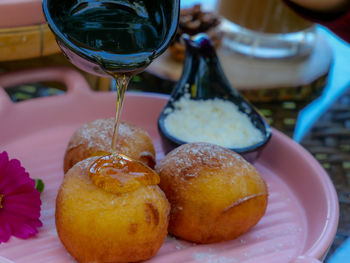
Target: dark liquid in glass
[{"x": 120, "y": 36}]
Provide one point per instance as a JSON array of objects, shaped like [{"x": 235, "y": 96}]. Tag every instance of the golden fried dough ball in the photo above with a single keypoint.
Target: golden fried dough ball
[
  {"x": 97, "y": 226},
  {"x": 95, "y": 137},
  {"x": 215, "y": 195}
]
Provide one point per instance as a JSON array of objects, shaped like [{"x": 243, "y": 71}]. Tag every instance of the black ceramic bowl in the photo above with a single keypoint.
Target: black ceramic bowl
[
  {"x": 203, "y": 79},
  {"x": 88, "y": 58}
]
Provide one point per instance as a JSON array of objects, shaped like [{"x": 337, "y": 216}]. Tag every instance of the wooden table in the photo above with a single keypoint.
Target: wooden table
[
  {"x": 27, "y": 42},
  {"x": 24, "y": 33}
]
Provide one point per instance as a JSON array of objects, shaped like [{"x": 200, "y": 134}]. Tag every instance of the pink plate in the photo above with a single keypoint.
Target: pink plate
[{"x": 302, "y": 214}]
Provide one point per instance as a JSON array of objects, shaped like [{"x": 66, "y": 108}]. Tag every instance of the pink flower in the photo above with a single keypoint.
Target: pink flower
[{"x": 19, "y": 201}]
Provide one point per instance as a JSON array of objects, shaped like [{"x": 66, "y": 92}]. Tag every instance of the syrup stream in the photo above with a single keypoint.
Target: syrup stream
[
  {"x": 116, "y": 173},
  {"x": 122, "y": 82}
]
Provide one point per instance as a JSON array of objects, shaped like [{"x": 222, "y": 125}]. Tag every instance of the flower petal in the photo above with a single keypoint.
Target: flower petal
[
  {"x": 23, "y": 196},
  {"x": 5, "y": 230},
  {"x": 23, "y": 227},
  {"x": 4, "y": 159},
  {"x": 30, "y": 199},
  {"x": 17, "y": 188},
  {"x": 14, "y": 168},
  {"x": 12, "y": 175},
  {"x": 20, "y": 212},
  {"x": 21, "y": 188},
  {"x": 23, "y": 210},
  {"x": 24, "y": 231}
]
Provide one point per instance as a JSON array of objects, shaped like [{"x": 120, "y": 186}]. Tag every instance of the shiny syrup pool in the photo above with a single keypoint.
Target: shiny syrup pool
[{"x": 117, "y": 173}]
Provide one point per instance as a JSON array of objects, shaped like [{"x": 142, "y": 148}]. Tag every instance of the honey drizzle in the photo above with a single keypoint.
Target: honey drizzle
[
  {"x": 120, "y": 174},
  {"x": 116, "y": 173},
  {"x": 122, "y": 82}
]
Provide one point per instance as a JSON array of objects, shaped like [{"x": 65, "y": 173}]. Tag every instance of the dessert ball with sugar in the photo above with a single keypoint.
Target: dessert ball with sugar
[
  {"x": 215, "y": 195},
  {"x": 95, "y": 138},
  {"x": 99, "y": 226}
]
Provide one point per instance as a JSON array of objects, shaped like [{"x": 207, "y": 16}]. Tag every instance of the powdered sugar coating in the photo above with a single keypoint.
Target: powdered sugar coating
[
  {"x": 96, "y": 136},
  {"x": 188, "y": 159}
]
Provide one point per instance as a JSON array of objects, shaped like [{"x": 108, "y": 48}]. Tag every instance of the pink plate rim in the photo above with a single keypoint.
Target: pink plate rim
[{"x": 325, "y": 240}]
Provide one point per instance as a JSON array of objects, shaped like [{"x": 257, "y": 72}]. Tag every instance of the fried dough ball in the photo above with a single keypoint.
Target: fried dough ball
[
  {"x": 95, "y": 137},
  {"x": 97, "y": 226},
  {"x": 215, "y": 195}
]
